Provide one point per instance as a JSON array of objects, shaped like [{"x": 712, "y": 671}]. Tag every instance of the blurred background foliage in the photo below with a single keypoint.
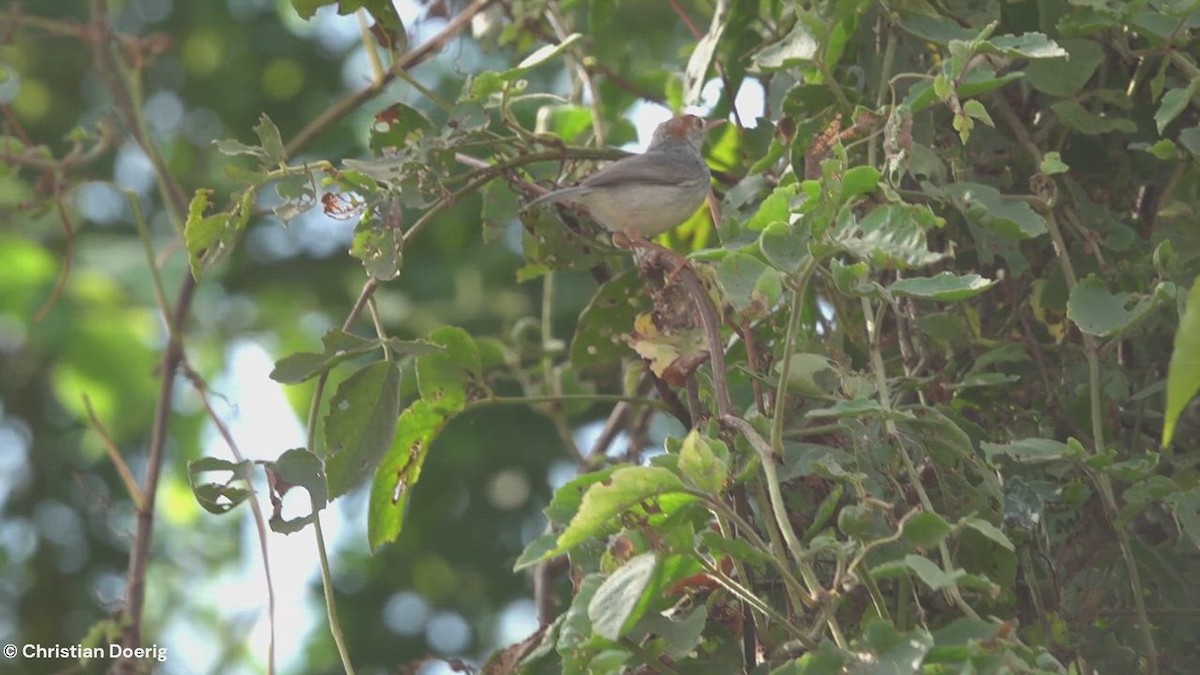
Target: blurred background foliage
[
  {"x": 80, "y": 333},
  {"x": 214, "y": 68}
]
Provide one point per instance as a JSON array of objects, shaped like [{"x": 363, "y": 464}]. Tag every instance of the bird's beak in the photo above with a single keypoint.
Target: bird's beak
[{"x": 713, "y": 124}]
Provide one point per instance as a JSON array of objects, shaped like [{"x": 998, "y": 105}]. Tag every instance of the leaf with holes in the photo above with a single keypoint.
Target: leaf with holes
[
  {"x": 218, "y": 498},
  {"x": 360, "y": 424},
  {"x": 450, "y": 379},
  {"x": 603, "y": 323},
  {"x": 295, "y": 468},
  {"x": 400, "y": 470}
]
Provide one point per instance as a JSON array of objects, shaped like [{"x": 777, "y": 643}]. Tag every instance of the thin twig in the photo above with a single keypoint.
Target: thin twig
[
  {"x": 352, "y": 101},
  {"x": 114, "y": 455},
  {"x": 710, "y": 321},
  {"x": 1091, "y": 352},
  {"x": 259, "y": 521},
  {"x": 130, "y": 111},
  {"x": 68, "y": 254}
]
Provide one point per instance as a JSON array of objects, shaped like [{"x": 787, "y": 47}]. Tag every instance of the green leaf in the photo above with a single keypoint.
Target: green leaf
[
  {"x": 232, "y": 147},
  {"x": 785, "y": 246},
  {"x": 1086, "y": 122},
  {"x": 1027, "y": 45},
  {"x": 604, "y": 502},
  {"x": 826, "y": 660},
  {"x": 925, "y": 530},
  {"x": 945, "y": 287},
  {"x": 576, "y": 634},
  {"x": 339, "y": 346},
  {"x": 811, "y": 374},
  {"x": 895, "y": 652},
  {"x": 400, "y": 470},
  {"x": 1052, "y": 164},
  {"x": 739, "y": 549},
  {"x": 398, "y": 126},
  {"x": 1185, "y": 506},
  {"x": 704, "y": 462},
  {"x": 891, "y": 234},
  {"x": 452, "y": 378},
  {"x": 306, "y": 8},
  {"x": 379, "y": 244},
  {"x": 1173, "y": 103},
  {"x": 798, "y": 46},
  {"x": 1064, "y": 77},
  {"x": 858, "y": 181},
  {"x": 852, "y": 408},
  {"x": 611, "y": 609},
  {"x": 388, "y": 29},
  {"x": 205, "y": 236},
  {"x": 682, "y": 634},
  {"x": 988, "y": 530},
  {"x": 296, "y": 468},
  {"x": 606, "y": 319},
  {"x": 925, "y": 93},
  {"x": 272, "y": 143},
  {"x": 217, "y": 498},
  {"x": 975, "y": 110},
  {"x": 1007, "y": 216},
  {"x": 924, "y": 569},
  {"x": 1028, "y": 450},
  {"x": 568, "y": 121},
  {"x": 479, "y": 87},
  {"x": 1190, "y": 139},
  {"x": 536, "y": 551},
  {"x": 1183, "y": 373},
  {"x": 568, "y": 498},
  {"x": 1097, "y": 311},
  {"x": 361, "y": 424},
  {"x": 748, "y": 283},
  {"x": 540, "y": 56},
  {"x": 696, "y": 72},
  {"x": 500, "y": 209},
  {"x": 1164, "y": 149},
  {"x": 775, "y": 208},
  {"x": 934, "y": 28}
]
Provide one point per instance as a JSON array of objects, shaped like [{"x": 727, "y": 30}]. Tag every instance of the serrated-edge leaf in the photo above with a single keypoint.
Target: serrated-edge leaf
[{"x": 272, "y": 142}]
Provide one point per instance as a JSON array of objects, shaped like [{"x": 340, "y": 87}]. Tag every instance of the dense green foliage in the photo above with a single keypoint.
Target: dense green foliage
[{"x": 923, "y": 387}]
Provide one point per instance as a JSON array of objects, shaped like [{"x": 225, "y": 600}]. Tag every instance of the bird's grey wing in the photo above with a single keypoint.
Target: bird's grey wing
[
  {"x": 566, "y": 194},
  {"x": 638, "y": 169}
]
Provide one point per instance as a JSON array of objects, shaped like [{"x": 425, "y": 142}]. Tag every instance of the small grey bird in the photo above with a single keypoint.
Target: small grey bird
[{"x": 650, "y": 193}]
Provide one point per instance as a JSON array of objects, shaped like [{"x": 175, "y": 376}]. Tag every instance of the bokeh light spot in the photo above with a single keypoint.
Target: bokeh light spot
[
  {"x": 202, "y": 52},
  {"x": 406, "y": 613},
  {"x": 32, "y": 101},
  {"x": 283, "y": 79}
]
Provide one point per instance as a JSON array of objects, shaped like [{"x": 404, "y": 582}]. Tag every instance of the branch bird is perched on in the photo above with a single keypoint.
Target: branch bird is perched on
[{"x": 647, "y": 194}]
